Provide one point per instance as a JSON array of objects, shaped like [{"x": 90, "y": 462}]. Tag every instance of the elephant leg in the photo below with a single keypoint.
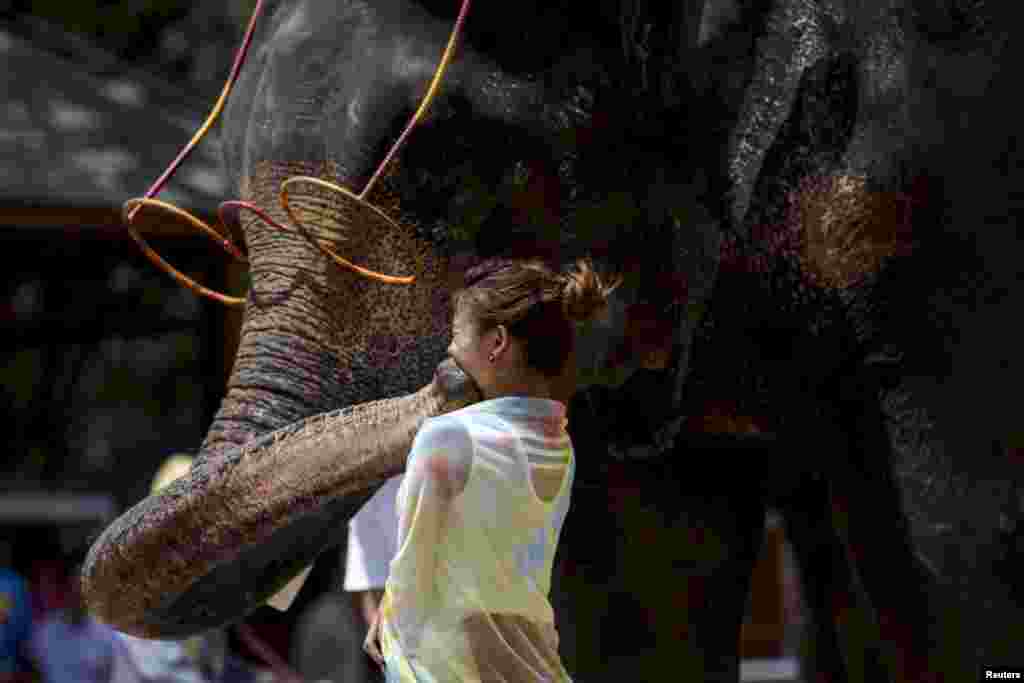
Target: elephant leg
[
  {"x": 328, "y": 641},
  {"x": 868, "y": 510},
  {"x": 961, "y": 491},
  {"x": 581, "y": 581},
  {"x": 824, "y": 576},
  {"x": 719, "y": 595},
  {"x": 672, "y": 603},
  {"x": 828, "y": 583},
  {"x": 688, "y": 547}
]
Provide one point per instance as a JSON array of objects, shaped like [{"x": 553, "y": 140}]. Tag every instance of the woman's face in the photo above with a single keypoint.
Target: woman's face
[{"x": 471, "y": 349}]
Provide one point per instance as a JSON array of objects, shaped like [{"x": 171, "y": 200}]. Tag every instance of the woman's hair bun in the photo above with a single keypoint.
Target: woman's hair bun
[{"x": 584, "y": 293}]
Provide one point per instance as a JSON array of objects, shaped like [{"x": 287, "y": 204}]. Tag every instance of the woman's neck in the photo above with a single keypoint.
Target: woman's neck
[
  {"x": 533, "y": 389},
  {"x": 554, "y": 388}
]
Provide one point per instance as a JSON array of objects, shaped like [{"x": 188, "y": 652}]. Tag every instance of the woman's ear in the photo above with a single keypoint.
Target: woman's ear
[{"x": 500, "y": 340}]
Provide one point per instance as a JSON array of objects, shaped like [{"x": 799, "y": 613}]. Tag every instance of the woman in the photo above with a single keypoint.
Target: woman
[{"x": 487, "y": 488}]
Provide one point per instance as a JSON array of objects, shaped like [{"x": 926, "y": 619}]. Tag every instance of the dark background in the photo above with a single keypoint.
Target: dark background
[
  {"x": 185, "y": 42},
  {"x": 104, "y": 358}
]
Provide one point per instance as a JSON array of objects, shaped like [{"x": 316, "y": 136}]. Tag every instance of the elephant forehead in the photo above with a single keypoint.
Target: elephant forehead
[{"x": 335, "y": 82}]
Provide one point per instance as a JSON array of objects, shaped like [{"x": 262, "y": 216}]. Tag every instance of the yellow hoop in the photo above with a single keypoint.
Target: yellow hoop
[{"x": 368, "y": 211}]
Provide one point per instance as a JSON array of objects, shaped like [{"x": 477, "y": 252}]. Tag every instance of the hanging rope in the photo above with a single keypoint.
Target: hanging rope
[{"x": 360, "y": 205}]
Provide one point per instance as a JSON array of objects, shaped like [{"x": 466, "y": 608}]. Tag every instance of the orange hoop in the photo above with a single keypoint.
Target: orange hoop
[{"x": 132, "y": 206}]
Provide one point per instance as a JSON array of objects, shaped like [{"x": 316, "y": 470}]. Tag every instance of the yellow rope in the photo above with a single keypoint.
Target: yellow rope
[
  {"x": 442, "y": 66},
  {"x": 428, "y": 97}
]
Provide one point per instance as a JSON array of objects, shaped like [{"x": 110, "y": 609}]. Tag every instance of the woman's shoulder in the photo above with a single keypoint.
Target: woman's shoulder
[
  {"x": 442, "y": 452},
  {"x": 450, "y": 428}
]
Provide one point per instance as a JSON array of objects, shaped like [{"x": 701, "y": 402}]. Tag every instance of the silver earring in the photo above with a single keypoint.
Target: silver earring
[{"x": 491, "y": 357}]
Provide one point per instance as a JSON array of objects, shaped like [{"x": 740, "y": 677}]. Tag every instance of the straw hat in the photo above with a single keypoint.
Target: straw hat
[{"x": 175, "y": 466}]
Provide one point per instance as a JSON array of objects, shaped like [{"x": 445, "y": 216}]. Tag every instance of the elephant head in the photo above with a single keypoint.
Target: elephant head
[{"x": 336, "y": 367}]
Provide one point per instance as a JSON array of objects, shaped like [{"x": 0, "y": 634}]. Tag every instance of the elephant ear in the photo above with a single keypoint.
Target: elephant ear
[{"x": 330, "y": 208}]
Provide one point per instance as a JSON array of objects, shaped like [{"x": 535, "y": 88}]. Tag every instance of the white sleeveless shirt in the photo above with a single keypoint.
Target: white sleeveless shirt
[{"x": 467, "y": 593}]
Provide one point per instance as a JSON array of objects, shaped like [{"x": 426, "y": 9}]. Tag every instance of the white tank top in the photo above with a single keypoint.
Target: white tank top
[{"x": 480, "y": 511}]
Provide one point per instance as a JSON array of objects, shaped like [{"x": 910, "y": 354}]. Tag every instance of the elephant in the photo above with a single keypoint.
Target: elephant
[{"x": 811, "y": 205}]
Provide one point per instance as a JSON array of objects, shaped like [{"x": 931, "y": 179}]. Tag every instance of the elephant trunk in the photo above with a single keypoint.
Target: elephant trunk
[
  {"x": 148, "y": 574},
  {"x": 296, "y": 447}
]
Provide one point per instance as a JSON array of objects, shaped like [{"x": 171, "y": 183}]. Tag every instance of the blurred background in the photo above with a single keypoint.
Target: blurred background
[{"x": 107, "y": 366}]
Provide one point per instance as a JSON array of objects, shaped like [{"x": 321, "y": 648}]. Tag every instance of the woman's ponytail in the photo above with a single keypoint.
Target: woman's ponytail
[{"x": 584, "y": 295}]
